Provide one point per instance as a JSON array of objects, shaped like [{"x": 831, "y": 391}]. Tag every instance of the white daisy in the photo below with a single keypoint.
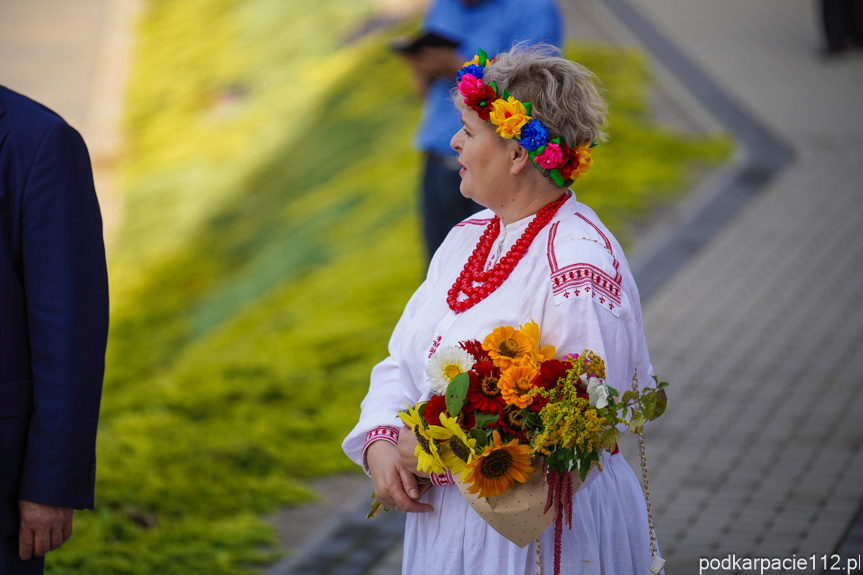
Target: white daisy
[{"x": 445, "y": 364}]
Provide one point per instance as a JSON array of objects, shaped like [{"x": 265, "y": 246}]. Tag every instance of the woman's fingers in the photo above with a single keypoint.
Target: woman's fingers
[
  {"x": 395, "y": 485},
  {"x": 410, "y": 488}
]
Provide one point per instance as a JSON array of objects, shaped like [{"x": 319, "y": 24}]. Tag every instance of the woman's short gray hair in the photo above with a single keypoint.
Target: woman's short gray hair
[{"x": 563, "y": 94}]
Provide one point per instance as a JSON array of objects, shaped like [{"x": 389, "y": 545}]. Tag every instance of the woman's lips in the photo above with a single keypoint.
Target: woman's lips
[{"x": 462, "y": 170}]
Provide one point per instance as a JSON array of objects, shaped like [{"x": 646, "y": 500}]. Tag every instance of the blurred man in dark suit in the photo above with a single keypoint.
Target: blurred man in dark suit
[{"x": 53, "y": 331}]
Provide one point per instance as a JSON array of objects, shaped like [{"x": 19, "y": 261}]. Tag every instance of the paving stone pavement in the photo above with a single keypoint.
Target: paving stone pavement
[{"x": 761, "y": 452}]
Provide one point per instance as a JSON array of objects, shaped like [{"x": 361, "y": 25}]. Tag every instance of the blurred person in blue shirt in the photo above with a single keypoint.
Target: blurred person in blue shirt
[{"x": 495, "y": 25}]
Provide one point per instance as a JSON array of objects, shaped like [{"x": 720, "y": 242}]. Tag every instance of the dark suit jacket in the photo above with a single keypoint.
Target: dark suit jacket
[{"x": 53, "y": 311}]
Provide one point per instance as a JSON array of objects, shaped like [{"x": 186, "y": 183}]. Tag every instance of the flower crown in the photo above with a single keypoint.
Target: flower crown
[{"x": 513, "y": 120}]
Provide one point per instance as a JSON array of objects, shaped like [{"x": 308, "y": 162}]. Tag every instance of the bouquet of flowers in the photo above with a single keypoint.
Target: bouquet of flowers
[{"x": 504, "y": 408}]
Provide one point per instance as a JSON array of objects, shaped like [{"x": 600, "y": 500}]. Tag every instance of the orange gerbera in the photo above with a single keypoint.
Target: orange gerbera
[
  {"x": 506, "y": 346},
  {"x": 516, "y": 385},
  {"x": 499, "y": 466}
]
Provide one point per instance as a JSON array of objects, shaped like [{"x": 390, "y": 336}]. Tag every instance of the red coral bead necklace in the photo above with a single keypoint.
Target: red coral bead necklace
[{"x": 474, "y": 271}]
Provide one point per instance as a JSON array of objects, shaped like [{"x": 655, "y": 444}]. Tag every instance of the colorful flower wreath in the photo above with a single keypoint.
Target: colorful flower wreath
[{"x": 513, "y": 120}]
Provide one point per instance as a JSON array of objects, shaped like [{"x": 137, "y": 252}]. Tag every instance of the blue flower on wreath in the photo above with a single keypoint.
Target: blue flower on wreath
[
  {"x": 473, "y": 69},
  {"x": 533, "y": 135}
]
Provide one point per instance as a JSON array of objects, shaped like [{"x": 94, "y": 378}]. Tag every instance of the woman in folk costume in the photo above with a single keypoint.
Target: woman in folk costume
[{"x": 531, "y": 119}]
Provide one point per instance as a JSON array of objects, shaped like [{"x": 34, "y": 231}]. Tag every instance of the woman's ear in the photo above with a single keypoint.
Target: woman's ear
[{"x": 519, "y": 158}]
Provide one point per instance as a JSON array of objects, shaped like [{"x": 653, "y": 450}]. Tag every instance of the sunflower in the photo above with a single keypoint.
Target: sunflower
[
  {"x": 507, "y": 346},
  {"x": 426, "y": 451},
  {"x": 531, "y": 332},
  {"x": 517, "y": 385},
  {"x": 445, "y": 364},
  {"x": 499, "y": 466},
  {"x": 457, "y": 449}
]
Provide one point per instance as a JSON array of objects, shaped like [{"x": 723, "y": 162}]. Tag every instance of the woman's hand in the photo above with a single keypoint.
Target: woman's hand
[{"x": 395, "y": 484}]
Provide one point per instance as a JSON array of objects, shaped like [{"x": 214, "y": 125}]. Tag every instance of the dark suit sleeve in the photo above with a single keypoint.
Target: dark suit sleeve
[{"x": 66, "y": 290}]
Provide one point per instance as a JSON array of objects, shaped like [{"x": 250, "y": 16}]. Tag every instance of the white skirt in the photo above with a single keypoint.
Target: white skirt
[{"x": 609, "y": 533}]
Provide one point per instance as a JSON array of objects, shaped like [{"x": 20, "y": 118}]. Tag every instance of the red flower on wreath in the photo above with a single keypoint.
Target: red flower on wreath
[
  {"x": 480, "y": 101},
  {"x": 575, "y": 161}
]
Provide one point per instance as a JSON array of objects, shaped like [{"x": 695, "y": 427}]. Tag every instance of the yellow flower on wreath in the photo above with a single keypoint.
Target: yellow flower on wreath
[
  {"x": 585, "y": 161},
  {"x": 499, "y": 466},
  {"x": 509, "y": 116},
  {"x": 426, "y": 451},
  {"x": 474, "y": 62},
  {"x": 540, "y": 354},
  {"x": 516, "y": 385},
  {"x": 506, "y": 346},
  {"x": 457, "y": 449}
]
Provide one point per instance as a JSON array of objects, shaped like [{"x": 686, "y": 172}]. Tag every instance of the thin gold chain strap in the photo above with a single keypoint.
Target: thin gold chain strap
[
  {"x": 644, "y": 477},
  {"x": 538, "y": 558}
]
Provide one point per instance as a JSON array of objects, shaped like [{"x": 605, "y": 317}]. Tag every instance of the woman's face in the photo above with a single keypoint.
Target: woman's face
[{"x": 484, "y": 158}]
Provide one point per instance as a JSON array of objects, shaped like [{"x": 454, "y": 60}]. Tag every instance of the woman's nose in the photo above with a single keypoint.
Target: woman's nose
[{"x": 455, "y": 141}]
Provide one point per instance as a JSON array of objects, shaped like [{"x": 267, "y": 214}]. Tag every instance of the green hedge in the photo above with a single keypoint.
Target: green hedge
[{"x": 270, "y": 240}]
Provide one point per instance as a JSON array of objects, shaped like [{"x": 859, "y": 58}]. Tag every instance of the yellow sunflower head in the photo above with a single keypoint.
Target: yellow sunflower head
[
  {"x": 426, "y": 451},
  {"x": 516, "y": 385},
  {"x": 499, "y": 466},
  {"x": 506, "y": 346},
  {"x": 457, "y": 448}
]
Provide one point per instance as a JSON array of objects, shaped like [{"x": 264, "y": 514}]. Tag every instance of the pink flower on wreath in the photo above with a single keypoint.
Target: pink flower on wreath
[
  {"x": 550, "y": 156},
  {"x": 469, "y": 84}
]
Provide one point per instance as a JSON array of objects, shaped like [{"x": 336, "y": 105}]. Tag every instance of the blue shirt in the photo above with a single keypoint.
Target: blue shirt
[{"x": 494, "y": 26}]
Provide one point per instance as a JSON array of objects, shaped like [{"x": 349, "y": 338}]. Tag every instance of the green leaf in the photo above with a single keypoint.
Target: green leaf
[
  {"x": 556, "y": 177},
  {"x": 527, "y": 107},
  {"x": 506, "y": 95},
  {"x": 493, "y": 84},
  {"x": 612, "y": 392},
  {"x": 483, "y": 420},
  {"x": 483, "y": 57},
  {"x": 609, "y": 438},
  {"x": 661, "y": 404},
  {"x": 480, "y": 436},
  {"x": 648, "y": 403},
  {"x": 456, "y": 392}
]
